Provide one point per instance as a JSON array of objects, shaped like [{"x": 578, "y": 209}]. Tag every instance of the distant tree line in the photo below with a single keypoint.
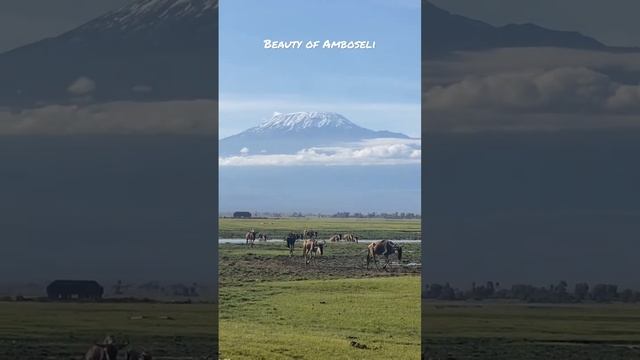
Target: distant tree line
[
  {"x": 342, "y": 214},
  {"x": 384, "y": 215},
  {"x": 554, "y": 293},
  {"x": 175, "y": 289}
]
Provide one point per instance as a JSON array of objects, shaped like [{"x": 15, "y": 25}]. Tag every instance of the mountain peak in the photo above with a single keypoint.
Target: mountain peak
[
  {"x": 305, "y": 120},
  {"x": 292, "y": 132},
  {"x": 147, "y": 13},
  {"x": 445, "y": 32}
]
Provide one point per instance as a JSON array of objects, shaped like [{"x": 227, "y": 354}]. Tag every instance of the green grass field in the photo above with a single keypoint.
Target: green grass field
[
  {"x": 273, "y": 306},
  {"x": 33, "y": 330},
  {"x": 455, "y": 330},
  {"x": 278, "y": 228},
  {"x": 319, "y": 319}
]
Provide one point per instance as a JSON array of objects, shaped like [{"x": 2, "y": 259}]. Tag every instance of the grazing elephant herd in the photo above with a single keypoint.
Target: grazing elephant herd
[
  {"x": 109, "y": 349},
  {"x": 312, "y": 247}
]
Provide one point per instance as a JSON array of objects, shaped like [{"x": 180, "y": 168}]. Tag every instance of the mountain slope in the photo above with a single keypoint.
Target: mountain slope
[
  {"x": 288, "y": 133},
  {"x": 154, "y": 50},
  {"x": 444, "y": 32},
  {"x": 147, "y": 50}
]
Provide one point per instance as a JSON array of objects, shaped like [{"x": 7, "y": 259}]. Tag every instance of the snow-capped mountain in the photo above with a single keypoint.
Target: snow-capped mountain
[
  {"x": 135, "y": 14},
  {"x": 152, "y": 24},
  {"x": 303, "y": 120},
  {"x": 289, "y": 133},
  {"x": 147, "y": 50}
]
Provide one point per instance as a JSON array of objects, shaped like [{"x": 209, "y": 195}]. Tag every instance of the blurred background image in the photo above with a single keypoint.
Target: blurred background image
[
  {"x": 108, "y": 145},
  {"x": 530, "y": 128}
]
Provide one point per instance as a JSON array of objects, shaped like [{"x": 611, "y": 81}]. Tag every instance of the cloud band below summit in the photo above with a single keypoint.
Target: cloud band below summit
[
  {"x": 560, "y": 90},
  {"x": 366, "y": 153}
]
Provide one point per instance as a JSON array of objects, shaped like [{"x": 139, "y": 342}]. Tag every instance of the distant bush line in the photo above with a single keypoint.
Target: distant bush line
[
  {"x": 554, "y": 293},
  {"x": 123, "y": 300},
  {"x": 395, "y": 215},
  {"x": 341, "y": 215}
]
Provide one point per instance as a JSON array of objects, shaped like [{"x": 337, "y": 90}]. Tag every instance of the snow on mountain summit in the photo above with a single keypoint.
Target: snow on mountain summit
[
  {"x": 144, "y": 13},
  {"x": 306, "y": 120},
  {"x": 291, "y": 132},
  {"x": 164, "y": 8}
]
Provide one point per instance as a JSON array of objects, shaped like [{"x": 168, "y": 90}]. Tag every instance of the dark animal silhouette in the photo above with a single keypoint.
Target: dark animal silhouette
[
  {"x": 384, "y": 248},
  {"x": 107, "y": 350},
  {"x": 138, "y": 355},
  {"x": 70, "y": 289},
  {"x": 263, "y": 237},
  {"x": 291, "y": 241}
]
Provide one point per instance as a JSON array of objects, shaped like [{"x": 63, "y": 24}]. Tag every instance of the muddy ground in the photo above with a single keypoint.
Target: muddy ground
[{"x": 271, "y": 262}]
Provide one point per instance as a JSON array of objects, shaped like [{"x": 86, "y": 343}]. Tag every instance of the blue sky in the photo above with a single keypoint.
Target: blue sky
[{"x": 378, "y": 88}]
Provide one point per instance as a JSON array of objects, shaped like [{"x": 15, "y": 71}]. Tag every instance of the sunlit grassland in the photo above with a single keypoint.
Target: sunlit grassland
[
  {"x": 365, "y": 228},
  {"x": 319, "y": 319},
  {"x": 499, "y": 330},
  {"x": 39, "y": 330}
]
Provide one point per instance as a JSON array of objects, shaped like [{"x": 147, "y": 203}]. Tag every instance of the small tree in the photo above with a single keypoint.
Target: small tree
[{"x": 581, "y": 291}]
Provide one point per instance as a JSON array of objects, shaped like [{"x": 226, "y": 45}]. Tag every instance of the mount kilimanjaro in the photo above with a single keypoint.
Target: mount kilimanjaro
[
  {"x": 147, "y": 50},
  {"x": 289, "y": 133}
]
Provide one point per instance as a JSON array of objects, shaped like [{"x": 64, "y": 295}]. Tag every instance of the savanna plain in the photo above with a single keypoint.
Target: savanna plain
[
  {"x": 276, "y": 306},
  {"x": 521, "y": 331}
]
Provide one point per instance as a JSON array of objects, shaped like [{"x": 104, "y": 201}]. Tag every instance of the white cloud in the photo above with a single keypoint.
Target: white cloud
[
  {"x": 366, "y": 153},
  {"x": 559, "y": 90},
  {"x": 170, "y": 117},
  {"x": 82, "y": 86},
  {"x": 532, "y": 89},
  {"x": 244, "y": 151},
  {"x": 626, "y": 97}
]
